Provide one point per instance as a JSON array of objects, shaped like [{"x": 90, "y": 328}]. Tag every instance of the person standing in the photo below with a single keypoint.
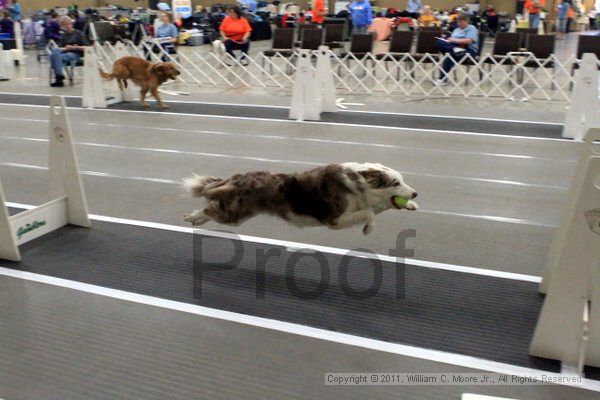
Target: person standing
[
  {"x": 534, "y": 7},
  {"x": 318, "y": 12},
  {"x": 562, "y": 9},
  {"x": 463, "y": 41},
  {"x": 71, "y": 47},
  {"x": 414, "y": 7},
  {"x": 7, "y": 25},
  {"x": 52, "y": 27},
  {"x": 235, "y": 31},
  {"x": 15, "y": 10},
  {"x": 362, "y": 15}
]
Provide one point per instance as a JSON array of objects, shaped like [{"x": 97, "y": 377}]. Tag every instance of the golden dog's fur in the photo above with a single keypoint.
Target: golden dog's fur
[{"x": 146, "y": 75}]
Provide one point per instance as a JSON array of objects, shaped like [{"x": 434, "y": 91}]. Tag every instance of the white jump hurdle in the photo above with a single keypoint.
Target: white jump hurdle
[
  {"x": 5, "y": 60},
  {"x": 68, "y": 204},
  {"x": 584, "y": 110},
  {"x": 314, "y": 91},
  {"x": 569, "y": 325},
  {"x": 98, "y": 93}
]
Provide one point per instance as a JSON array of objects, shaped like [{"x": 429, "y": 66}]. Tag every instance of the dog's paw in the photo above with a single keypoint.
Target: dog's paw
[
  {"x": 164, "y": 106},
  {"x": 196, "y": 218},
  {"x": 411, "y": 206},
  {"x": 145, "y": 105},
  {"x": 368, "y": 228}
]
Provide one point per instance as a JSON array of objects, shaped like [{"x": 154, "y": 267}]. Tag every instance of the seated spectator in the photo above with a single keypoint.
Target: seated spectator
[
  {"x": 167, "y": 34},
  {"x": 413, "y": 8},
  {"x": 235, "y": 31},
  {"x": 71, "y": 47},
  {"x": 382, "y": 27},
  {"x": 491, "y": 18},
  {"x": 7, "y": 25},
  {"x": 427, "y": 19},
  {"x": 362, "y": 15},
  {"x": 52, "y": 28},
  {"x": 463, "y": 41},
  {"x": 78, "y": 21}
]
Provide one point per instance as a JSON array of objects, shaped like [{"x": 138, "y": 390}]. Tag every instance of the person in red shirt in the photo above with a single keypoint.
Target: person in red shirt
[
  {"x": 235, "y": 31},
  {"x": 534, "y": 7},
  {"x": 318, "y": 12}
]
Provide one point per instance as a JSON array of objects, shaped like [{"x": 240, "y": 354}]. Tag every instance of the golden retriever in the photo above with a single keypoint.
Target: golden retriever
[{"x": 146, "y": 75}]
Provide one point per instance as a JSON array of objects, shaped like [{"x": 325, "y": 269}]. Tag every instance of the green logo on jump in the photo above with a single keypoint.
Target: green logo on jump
[{"x": 30, "y": 227}]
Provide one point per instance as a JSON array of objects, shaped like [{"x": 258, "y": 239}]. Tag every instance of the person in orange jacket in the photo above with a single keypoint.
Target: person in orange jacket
[{"x": 534, "y": 7}]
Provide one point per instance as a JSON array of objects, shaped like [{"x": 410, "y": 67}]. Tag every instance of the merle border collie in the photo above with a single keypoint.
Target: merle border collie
[{"x": 336, "y": 195}]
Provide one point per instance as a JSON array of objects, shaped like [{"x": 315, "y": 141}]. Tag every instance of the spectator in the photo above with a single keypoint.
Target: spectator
[
  {"x": 592, "y": 15},
  {"x": 427, "y": 19},
  {"x": 463, "y": 41},
  {"x": 7, "y": 25},
  {"x": 362, "y": 15},
  {"x": 52, "y": 27},
  {"x": 318, "y": 11},
  {"x": 78, "y": 21},
  {"x": 562, "y": 9},
  {"x": 414, "y": 7},
  {"x": 167, "y": 34},
  {"x": 235, "y": 32},
  {"x": 249, "y": 4},
  {"x": 534, "y": 7},
  {"x": 71, "y": 47},
  {"x": 491, "y": 18},
  {"x": 15, "y": 11}
]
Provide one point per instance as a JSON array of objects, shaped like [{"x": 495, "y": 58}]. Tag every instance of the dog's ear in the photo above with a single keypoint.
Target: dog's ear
[
  {"x": 376, "y": 179},
  {"x": 158, "y": 69}
]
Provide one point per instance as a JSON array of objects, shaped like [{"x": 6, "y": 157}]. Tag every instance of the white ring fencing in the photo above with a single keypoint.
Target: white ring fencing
[{"x": 514, "y": 77}]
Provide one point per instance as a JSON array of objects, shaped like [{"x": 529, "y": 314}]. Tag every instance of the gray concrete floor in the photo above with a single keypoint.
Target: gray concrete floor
[{"x": 59, "y": 343}]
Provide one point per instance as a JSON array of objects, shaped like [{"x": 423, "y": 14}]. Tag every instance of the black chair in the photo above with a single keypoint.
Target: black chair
[
  {"x": 69, "y": 70},
  {"x": 283, "y": 45},
  {"x": 586, "y": 44},
  {"x": 311, "y": 39},
  {"x": 427, "y": 49},
  {"x": 334, "y": 35},
  {"x": 542, "y": 47},
  {"x": 400, "y": 45},
  {"x": 361, "y": 44},
  {"x": 506, "y": 42},
  {"x": 301, "y": 29},
  {"x": 523, "y": 34}
]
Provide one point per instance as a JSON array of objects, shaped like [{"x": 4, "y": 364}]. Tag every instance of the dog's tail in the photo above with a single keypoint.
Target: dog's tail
[
  {"x": 196, "y": 184},
  {"x": 106, "y": 75}
]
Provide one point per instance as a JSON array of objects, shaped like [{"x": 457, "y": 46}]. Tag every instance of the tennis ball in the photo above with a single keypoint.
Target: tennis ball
[{"x": 400, "y": 201}]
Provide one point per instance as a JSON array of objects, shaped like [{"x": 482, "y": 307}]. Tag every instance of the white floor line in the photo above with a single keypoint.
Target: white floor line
[
  {"x": 301, "y": 330},
  {"x": 433, "y": 131},
  {"x": 304, "y": 139},
  {"x": 293, "y": 246},
  {"x": 343, "y": 111},
  {"x": 293, "y": 162}
]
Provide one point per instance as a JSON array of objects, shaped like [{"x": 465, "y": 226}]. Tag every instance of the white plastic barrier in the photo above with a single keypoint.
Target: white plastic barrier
[
  {"x": 569, "y": 325},
  {"x": 97, "y": 92},
  {"x": 5, "y": 59},
  {"x": 68, "y": 204},
  {"x": 313, "y": 92},
  {"x": 18, "y": 53},
  {"x": 584, "y": 110}
]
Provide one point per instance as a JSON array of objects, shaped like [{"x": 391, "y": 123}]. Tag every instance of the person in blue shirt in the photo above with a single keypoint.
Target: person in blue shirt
[
  {"x": 15, "y": 11},
  {"x": 463, "y": 41},
  {"x": 52, "y": 27},
  {"x": 167, "y": 34},
  {"x": 249, "y": 4},
  {"x": 414, "y": 7},
  {"x": 561, "y": 15},
  {"x": 362, "y": 15}
]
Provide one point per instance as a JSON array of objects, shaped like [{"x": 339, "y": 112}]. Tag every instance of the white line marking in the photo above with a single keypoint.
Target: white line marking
[
  {"x": 313, "y": 247},
  {"x": 304, "y": 139},
  {"x": 288, "y": 161},
  {"x": 434, "y": 131},
  {"x": 345, "y": 111},
  {"x": 297, "y": 329}
]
